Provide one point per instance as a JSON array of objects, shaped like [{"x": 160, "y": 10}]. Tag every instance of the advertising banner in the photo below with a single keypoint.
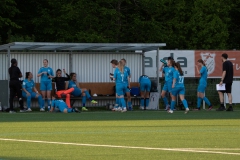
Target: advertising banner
[
  {"x": 184, "y": 57},
  {"x": 214, "y": 62}
]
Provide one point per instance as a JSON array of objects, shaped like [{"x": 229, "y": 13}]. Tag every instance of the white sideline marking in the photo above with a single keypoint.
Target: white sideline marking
[{"x": 194, "y": 150}]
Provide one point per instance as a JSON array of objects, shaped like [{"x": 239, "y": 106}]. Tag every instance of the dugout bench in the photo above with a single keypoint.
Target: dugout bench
[{"x": 105, "y": 92}]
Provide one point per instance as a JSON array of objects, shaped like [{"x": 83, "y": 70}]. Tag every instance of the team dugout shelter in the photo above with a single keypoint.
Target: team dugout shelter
[{"x": 91, "y": 61}]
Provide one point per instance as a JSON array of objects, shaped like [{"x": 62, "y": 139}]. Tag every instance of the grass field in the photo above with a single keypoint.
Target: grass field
[{"x": 140, "y": 135}]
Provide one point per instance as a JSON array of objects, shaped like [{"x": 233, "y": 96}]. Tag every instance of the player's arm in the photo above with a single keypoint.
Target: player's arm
[
  {"x": 52, "y": 106},
  {"x": 51, "y": 75},
  {"x": 174, "y": 79},
  {"x": 161, "y": 68},
  {"x": 224, "y": 73},
  {"x": 40, "y": 73},
  {"x": 197, "y": 69},
  {"x": 24, "y": 89}
]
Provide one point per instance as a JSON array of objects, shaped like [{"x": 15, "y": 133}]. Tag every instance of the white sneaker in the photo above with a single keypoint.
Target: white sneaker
[
  {"x": 124, "y": 109},
  {"x": 141, "y": 107},
  {"x": 29, "y": 110},
  {"x": 115, "y": 109},
  {"x": 42, "y": 110},
  {"x": 170, "y": 111},
  {"x": 119, "y": 109},
  {"x": 187, "y": 110},
  {"x": 167, "y": 107},
  {"x": 12, "y": 112},
  {"x": 22, "y": 110}
]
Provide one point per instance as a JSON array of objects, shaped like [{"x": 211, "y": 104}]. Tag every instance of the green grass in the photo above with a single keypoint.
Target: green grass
[{"x": 209, "y": 131}]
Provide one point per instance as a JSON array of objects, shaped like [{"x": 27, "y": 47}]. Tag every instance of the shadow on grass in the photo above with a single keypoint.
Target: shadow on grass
[{"x": 114, "y": 116}]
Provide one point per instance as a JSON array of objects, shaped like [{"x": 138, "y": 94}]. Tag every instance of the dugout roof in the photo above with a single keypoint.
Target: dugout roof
[{"x": 47, "y": 46}]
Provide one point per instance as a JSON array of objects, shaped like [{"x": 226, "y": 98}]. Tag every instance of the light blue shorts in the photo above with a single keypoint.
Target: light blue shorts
[{"x": 46, "y": 86}]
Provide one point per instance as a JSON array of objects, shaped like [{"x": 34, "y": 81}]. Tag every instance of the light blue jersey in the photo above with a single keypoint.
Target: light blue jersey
[
  {"x": 204, "y": 75},
  {"x": 44, "y": 77},
  {"x": 120, "y": 77},
  {"x": 127, "y": 69},
  {"x": 168, "y": 73},
  {"x": 59, "y": 104},
  {"x": 145, "y": 83},
  {"x": 77, "y": 91},
  {"x": 179, "y": 79},
  {"x": 28, "y": 85}
]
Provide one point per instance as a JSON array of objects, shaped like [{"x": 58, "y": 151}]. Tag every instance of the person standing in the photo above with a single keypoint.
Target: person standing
[
  {"x": 227, "y": 78},
  {"x": 46, "y": 74},
  {"x": 202, "y": 85},
  {"x": 114, "y": 64},
  {"x": 119, "y": 77},
  {"x": 15, "y": 85},
  {"x": 128, "y": 80},
  {"x": 178, "y": 88},
  {"x": 168, "y": 74},
  {"x": 145, "y": 86}
]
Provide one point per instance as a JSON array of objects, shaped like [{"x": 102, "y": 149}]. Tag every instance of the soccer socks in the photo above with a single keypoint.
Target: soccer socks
[
  {"x": 147, "y": 102},
  {"x": 84, "y": 99},
  {"x": 165, "y": 101},
  {"x": 142, "y": 102},
  {"x": 129, "y": 104},
  {"x": 173, "y": 105},
  {"x": 207, "y": 101},
  {"x": 49, "y": 102},
  {"x": 185, "y": 104},
  {"x": 199, "y": 101},
  {"x": 28, "y": 101},
  {"x": 40, "y": 101},
  {"x": 88, "y": 95},
  {"x": 122, "y": 102}
]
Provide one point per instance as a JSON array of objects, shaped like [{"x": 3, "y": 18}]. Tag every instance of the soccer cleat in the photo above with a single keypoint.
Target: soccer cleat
[
  {"x": 42, "y": 110},
  {"x": 196, "y": 109},
  {"x": 230, "y": 108},
  {"x": 187, "y": 110},
  {"x": 94, "y": 102},
  {"x": 119, "y": 109},
  {"x": 170, "y": 111},
  {"x": 84, "y": 109},
  {"x": 22, "y": 110},
  {"x": 167, "y": 107},
  {"x": 221, "y": 109},
  {"x": 29, "y": 110},
  {"x": 12, "y": 112},
  {"x": 76, "y": 110},
  {"x": 210, "y": 108},
  {"x": 124, "y": 109},
  {"x": 141, "y": 107},
  {"x": 115, "y": 109}
]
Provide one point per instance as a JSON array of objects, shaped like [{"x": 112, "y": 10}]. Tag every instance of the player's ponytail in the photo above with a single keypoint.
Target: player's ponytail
[
  {"x": 121, "y": 66},
  {"x": 179, "y": 68}
]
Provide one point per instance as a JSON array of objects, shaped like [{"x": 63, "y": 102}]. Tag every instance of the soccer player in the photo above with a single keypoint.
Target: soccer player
[
  {"x": 119, "y": 77},
  {"x": 145, "y": 86},
  {"x": 27, "y": 91},
  {"x": 128, "y": 80},
  {"x": 168, "y": 74},
  {"x": 202, "y": 84},
  {"x": 15, "y": 85},
  {"x": 46, "y": 74},
  {"x": 73, "y": 83},
  {"x": 114, "y": 64},
  {"x": 227, "y": 78},
  {"x": 178, "y": 88},
  {"x": 60, "y": 86},
  {"x": 61, "y": 105}
]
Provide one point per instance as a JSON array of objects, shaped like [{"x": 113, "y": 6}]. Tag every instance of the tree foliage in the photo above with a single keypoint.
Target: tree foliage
[{"x": 183, "y": 24}]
